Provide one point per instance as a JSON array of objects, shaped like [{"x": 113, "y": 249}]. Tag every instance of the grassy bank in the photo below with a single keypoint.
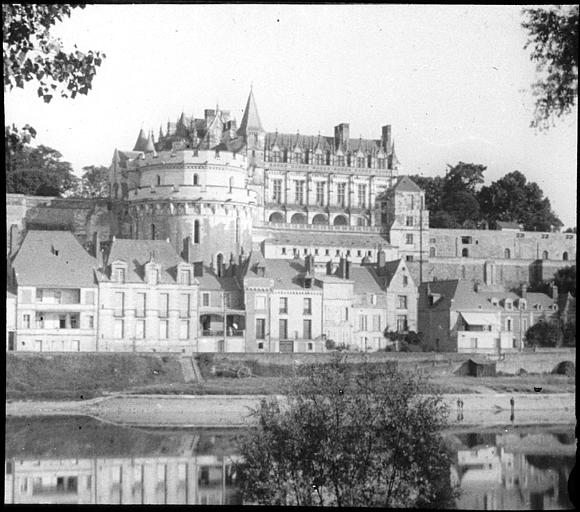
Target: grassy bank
[{"x": 84, "y": 376}]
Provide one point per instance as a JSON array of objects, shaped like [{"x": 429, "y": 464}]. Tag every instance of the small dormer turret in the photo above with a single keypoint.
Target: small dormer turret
[{"x": 118, "y": 271}]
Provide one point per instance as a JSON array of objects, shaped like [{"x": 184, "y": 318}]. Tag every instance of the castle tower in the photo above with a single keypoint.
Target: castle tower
[{"x": 252, "y": 132}]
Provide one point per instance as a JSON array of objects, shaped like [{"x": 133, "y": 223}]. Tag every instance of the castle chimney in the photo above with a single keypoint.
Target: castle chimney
[
  {"x": 329, "y": 268},
  {"x": 524, "y": 292},
  {"x": 198, "y": 268},
  {"x": 381, "y": 259},
  {"x": 341, "y": 135},
  {"x": 347, "y": 269},
  {"x": 386, "y": 137},
  {"x": 307, "y": 264},
  {"x": 554, "y": 290}
]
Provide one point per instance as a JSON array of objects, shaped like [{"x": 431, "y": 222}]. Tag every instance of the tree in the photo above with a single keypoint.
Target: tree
[
  {"x": 463, "y": 177},
  {"x": 39, "y": 171},
  {"x": 553, "y": 36},
  {"x": 569, "y": 334},
  {"x": 513, "y": 198},
  {"x": 14, "y": 142},
  {"x": 570, "y": 230},
  {"x": 462, "y": 206},
  {"x": 565, "y": 280},
  {"x": 347, "y": 436},
  {"x": 31, "y": 53},
  {"x": 543, "y": 334},
  {"x": 94, "y": 182}
]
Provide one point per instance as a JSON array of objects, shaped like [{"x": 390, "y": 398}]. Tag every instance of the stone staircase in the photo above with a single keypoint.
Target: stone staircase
[{"x": 191, "y": 372}]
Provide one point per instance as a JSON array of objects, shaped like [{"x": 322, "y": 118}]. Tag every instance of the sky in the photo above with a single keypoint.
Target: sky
[{"x": 453, "y": 81}]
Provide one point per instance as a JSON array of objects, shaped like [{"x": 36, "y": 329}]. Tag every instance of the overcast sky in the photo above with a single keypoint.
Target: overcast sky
[{"x": 453, "y": 81}]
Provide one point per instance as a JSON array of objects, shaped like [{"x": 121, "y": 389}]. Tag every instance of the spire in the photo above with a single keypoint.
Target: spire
[
  {"x": 160, "y": 133},
  {"x": 394, "y": 160},
  {"x": 251, "y": 119},
  {"x": 149, "y": 144},
  {"x": 141, "y": 141}
]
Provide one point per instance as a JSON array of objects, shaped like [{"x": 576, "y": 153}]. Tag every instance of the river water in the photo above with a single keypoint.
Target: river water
[{"x": 81, "y": 460}]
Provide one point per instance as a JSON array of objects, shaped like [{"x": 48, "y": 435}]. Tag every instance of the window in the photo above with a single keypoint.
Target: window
[
  {"x": 119, "y": 329},
  {"x": 299, "y": 184},
  {"x": 196, "y": 232},
  {"x": 524, "y": 325},
  {"x": 74, "y": 321},
  {"x": 376, "y": 322},
  {"x": 140, "y": 304},
  {"x": 183, "y": 329},
  {"x": 163, "y": 304},
  {"x": 283, "y": 305},
  {"x": 465, "y": 253},
  {"x": 432, "y": 251},
  {"x": 360, "y": 162},
  {"x": 381, "y": 163},
  {"x": 163, "y": 329},
  {"x": 565, "y": 256},
  {"x": 283, "y": 328},
  {"x": 545, "y": 255},
  {"x": 26, "y": 321},
  {"x": 90, "y": 297},
  {"x": 62, "y": 322},
  {"x": 196, "y": 179},
  {"x": 91, "y": 322},
  {"x": 184, "y": 276},
  {"x": 26, "y": 296},
  {"x": 409, "y": 257},
  {"x": 405, "y": 280},
  {"x": 307, "y": 306},
  {"x": 158, "y": 180},
  {"x": 310, "y": 346},
  {"x": 205, "y": 299},
  {"x": 119, "y": 275},
  {"x": 409, "y": 221},
  {"x": 305, "y": 250},
  {"x": 373, "y": 299},
  {"x": 119, "y": 306},
  {"x": 508, "y": 304},
  {"x": 341, "y": 194},
  {"x": 140, "y": 329},
  {"x": 260, "y": 328},
  {"x": 320, "y": 193},
  {"x": 283, "y": 250},
  {"x": 402, "y": 301},
  {"x": 277, "y": 191},
  {"x": 466, "y": 239},
  {"x": 340, "y": 161},
  {"x": 401, "y": 323},
  {"x": 307, "y": 329},
  {"x": 153, "y": 232},
  {"x": 346, "y": 314},
  {"x": 362, "y": 193},
  {"x": 362, "y": 320},
  {"x": 260, "y": 302},
  {"x": 507, "y": 254},
  {"x": 508, "y": 324},
  {"x": 184, "y": 305},
  {"x": 409, "y": 239}
]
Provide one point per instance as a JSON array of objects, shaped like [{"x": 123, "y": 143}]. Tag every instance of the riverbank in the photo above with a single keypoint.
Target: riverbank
[{"x": 233, "y": 411}]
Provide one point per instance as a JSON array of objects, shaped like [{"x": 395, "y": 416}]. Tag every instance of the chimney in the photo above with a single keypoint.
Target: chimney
[
  {"x": 341, "y": 265},
  {"x": 380, "y": 259},
  {"x": 524, "y": 291},
  {"x": 96, "y": 243},
  {"x": 386, "y": 138},
  {"x": 307, "y": 264},
  {"x": 198, "y": 268},
  {"x": 329, "y": 268},
  {"x": 347, "y": 269},
  {"x": 554, "y": 290},
  {"x": 341, "y": 134}
]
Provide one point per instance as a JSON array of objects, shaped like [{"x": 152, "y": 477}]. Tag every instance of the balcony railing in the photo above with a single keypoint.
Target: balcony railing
[
  {"x": 322, "y": 227},
  {"x": 211, "y": 332}
]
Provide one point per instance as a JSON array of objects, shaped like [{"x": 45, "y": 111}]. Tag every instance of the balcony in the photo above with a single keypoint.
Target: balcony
[{"x": 322, "y": 227}]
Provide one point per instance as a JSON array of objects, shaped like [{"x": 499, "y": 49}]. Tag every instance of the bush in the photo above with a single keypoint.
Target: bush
[
  {"x": 567, "y": 368},
  {"x": 330, "y": 344}
]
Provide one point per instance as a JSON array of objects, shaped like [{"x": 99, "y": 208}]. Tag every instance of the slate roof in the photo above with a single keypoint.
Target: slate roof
[
  {"x": 532, "y": 298},
  {"x": 251, "y": 118},
  {"x": 136, "y": 253},
  {"x": 210, "y": 281},
  {"x": 463, "y": 295},
  {"x": 53, "y": 258},
  {"x": 365, "y": 280},
  {"x": 406, "y": 184},
  {"x": 331, "y": 239},
  {"x": 389, "y": 270},
  {"x": 285, "y": 274}
]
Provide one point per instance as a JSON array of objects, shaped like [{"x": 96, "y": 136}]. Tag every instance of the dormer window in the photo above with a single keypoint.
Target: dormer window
[
  {"x": 119, "y": 272},
  {"x": 523, "y": 304},
  {"x": 184, "y": 276},
  {"x": 494, "y": 301},
  {"x": 508, "y": 304},
  {"x": 152, "y": 273}
]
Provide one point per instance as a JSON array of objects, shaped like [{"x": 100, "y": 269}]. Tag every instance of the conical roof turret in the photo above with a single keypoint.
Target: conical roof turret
[
  {"x": 141, "y": 143},
  {"x": 149, "y": 145},
  {"x": 251, "y": 119}
]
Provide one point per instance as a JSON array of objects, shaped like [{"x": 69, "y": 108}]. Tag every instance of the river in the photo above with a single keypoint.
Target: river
[{"x": 80, "y": 460}]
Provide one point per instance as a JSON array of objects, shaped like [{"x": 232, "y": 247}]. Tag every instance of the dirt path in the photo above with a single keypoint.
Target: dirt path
[{"x": 230, "y": 411}]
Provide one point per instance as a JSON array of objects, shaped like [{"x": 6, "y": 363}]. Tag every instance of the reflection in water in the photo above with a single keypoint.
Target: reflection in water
[{"x": 83, "y": 461}]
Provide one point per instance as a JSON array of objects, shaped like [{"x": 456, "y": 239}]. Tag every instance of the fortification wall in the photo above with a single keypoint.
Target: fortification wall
[{"x": 541, "y": 361}]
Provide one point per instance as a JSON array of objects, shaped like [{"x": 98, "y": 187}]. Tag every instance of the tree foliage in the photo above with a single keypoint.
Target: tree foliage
[
  {"x": 39, "y": 171},
  {"x": 565, "y": 280},
  {"x": 513, "y": 198},
  {"x": 93, "y": 182},
  {"x": 553, "y": 38},
  {"x": 31, "y": 53},
  {"x": 543, "y": 334},
  {"x": 348, "y": 436}
]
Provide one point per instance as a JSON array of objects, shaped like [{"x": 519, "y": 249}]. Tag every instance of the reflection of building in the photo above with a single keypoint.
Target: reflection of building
[
  {"x": 502, "y": 473},
  {"x": 196, "y": 479}
]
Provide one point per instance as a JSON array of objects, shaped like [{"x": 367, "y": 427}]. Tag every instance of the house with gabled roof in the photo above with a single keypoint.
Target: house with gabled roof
[
  {"x": 148, "y": 299},
  {"x": 56, "y": 294}
]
